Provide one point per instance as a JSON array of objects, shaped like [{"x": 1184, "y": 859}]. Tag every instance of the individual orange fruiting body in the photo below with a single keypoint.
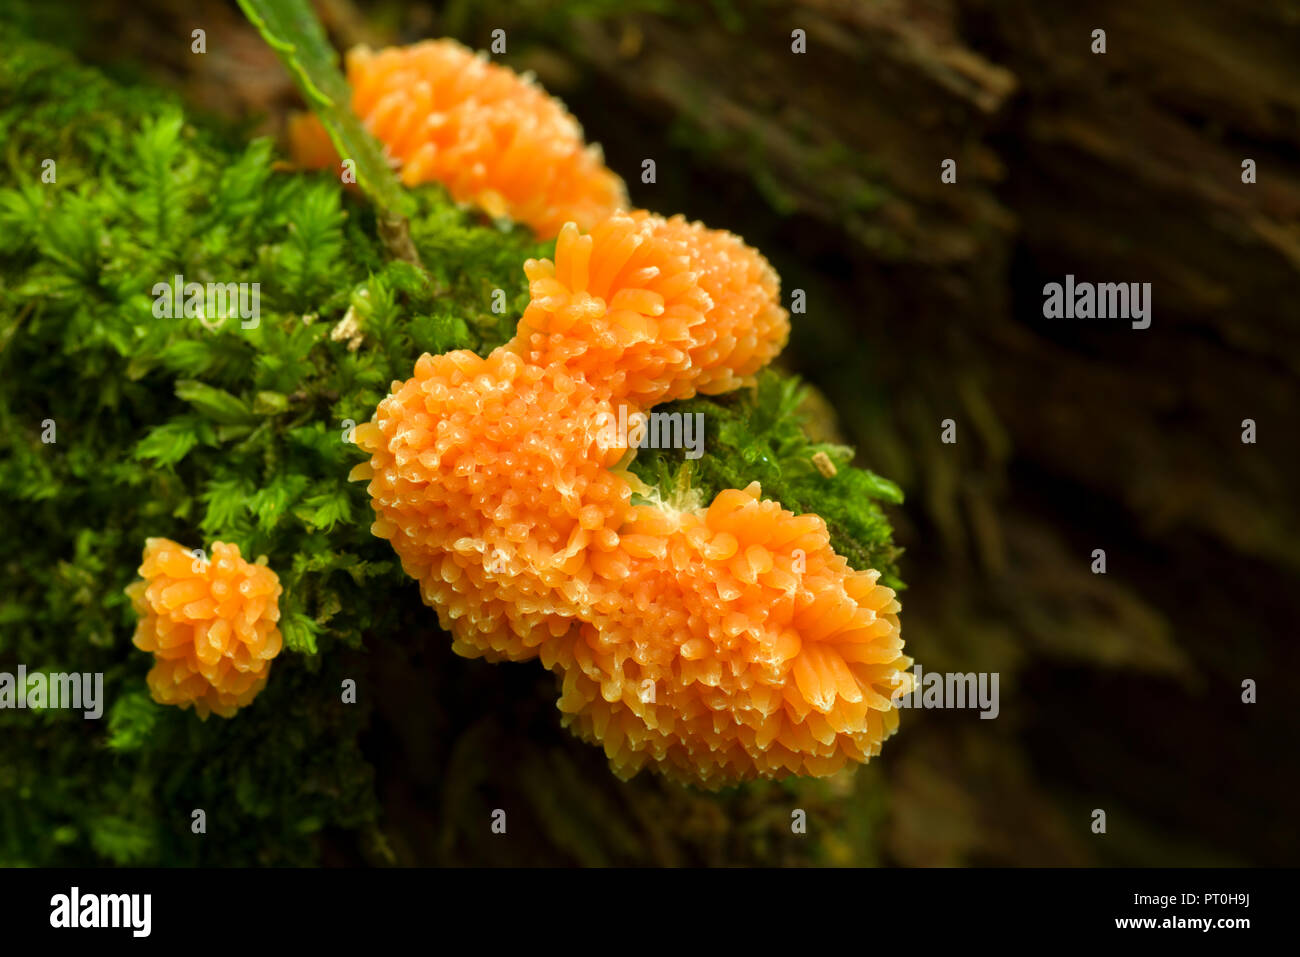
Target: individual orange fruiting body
[
  {"x": 211, "y": 625},
  {"x": 492, "y": 137},
  {"x": 715, "y": 643},
  {"x": 656, "y": 309}
]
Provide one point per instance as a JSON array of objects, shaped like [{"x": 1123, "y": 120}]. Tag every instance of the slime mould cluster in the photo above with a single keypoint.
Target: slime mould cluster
[
  {"x": 232, "y": 435},
  {"x": 719, "y": 643},
  {"x": 210, "y": 624},
  {"x": 715, "y": 643},
  {"x": 490, "y": 136}
]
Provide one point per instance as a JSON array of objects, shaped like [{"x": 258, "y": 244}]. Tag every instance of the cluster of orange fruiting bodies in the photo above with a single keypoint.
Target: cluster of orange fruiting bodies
[
  {"x": 493, "y": 138},
  {"x": 211, "y": 625},
  {"x": 715, "y": 643}
]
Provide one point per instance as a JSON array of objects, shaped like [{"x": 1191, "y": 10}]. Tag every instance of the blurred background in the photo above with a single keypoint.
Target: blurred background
[{"x": 1121, "y": 691}]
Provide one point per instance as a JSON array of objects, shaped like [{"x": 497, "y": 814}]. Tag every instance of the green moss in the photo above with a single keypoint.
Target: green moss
[
  {"x": 167, "y": 427},
  {"x": 755, "y": 436}
]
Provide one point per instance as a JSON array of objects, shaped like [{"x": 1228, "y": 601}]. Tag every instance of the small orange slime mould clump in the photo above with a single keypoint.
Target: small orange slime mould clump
[
  {"x": 211, "y": 625},
  {"x": 492, "y": 137},
  {"x": 715, "y": 643}
]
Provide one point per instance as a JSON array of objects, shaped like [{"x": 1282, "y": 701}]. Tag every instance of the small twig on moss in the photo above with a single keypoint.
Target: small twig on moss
[{"x": 824, "y": 464}]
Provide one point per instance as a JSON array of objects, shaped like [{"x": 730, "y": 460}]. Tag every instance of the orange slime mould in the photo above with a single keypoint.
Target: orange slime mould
[
  {"x": 493, "y": 138},
  {"x": 714, "y": 644},
  {"x": 211, "y": 626}
]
